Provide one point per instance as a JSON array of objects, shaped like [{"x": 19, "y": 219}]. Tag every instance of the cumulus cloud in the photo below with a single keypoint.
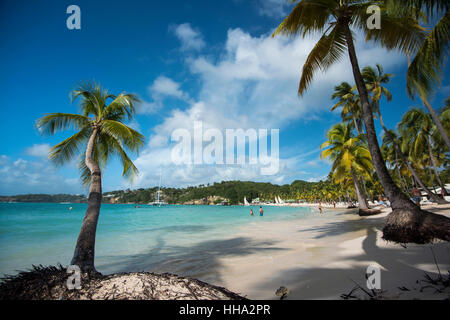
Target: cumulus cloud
[
  {"x": 38, "y": 150},
  {"x": 22, "y": 176},
  {"x": 162, "y": 88},
  {"x": 273, "y": 8},
  {"x": 252, "y": 84},
  {"x": 190, "y": 39}
]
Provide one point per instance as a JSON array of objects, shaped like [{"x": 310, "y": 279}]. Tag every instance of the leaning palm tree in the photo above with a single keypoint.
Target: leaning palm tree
[
  {"x": 392, "y": 140},
  {"x": 390, "y": 153},
  {"x": 349, "y": 101},
  {"x": 375, "y": 79},
  {"x": 416, "y": 128},
  {"x": 101, "y": 135},
  {"x": 335, "y": 20},
  {"x": 349, "y": 157}
]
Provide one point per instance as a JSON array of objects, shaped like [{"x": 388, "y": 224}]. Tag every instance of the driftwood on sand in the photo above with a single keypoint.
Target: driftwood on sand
[{"x": 50, "y": 283}]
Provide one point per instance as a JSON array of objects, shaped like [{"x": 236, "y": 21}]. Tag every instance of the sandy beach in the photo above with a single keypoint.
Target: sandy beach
[{"x": 324, "y": 256}]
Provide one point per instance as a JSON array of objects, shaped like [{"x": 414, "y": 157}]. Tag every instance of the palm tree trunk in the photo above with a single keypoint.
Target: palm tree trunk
[
  {"x": 361, "y": 198},
  {"x": 402, "y": 183},
  {"x": 84, "y": 253},
  {"x": 436, "y": 173},
  {"x": 380, "y": 116},
  {"x": 356, "y": 125},
  {"x": 437, "y": 121},
  {"x": 407, "y": 222},
  {"x": 396, "y": 197}
]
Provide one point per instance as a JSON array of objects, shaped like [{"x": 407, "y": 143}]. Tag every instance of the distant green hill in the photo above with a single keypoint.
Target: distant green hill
[
  {"x": 231, "y": 191},
  {"x": 44, "y": 198}
]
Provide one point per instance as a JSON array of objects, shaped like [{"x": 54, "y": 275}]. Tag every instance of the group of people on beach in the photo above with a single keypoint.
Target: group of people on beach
[{"x": 261, "y": 212}]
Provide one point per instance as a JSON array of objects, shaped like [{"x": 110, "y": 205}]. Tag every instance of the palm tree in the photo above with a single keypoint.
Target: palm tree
[
  {"x": 102, "y": 134},
  {"x": 391, "y": 155},
  {"x": 417, "y": 129},
  {"x": 425, "y": 70},
  {"x": 374, "y": 82},
  {"x": 391, "y": 139},
  {"x": 349, "y": 157},
  {"x": 349, "y": 101},
  {"x": 335, "y": 18}
]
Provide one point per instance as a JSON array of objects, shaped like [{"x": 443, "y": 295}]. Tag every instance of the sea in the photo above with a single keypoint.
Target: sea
[{"x": 185, "y": 240}]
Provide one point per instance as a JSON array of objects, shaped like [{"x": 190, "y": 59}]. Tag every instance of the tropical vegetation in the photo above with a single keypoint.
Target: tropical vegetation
[{"x": 337, "y": 21}]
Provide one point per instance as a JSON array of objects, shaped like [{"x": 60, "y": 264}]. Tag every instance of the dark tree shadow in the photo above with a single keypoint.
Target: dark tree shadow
[
  {"x": 330, "y": 283},
  {"x": 342, "y": 227},
  {"x": 200, "y": 261}
]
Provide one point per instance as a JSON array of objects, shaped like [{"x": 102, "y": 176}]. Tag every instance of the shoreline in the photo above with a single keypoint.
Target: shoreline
[{"x": 323, "y": 257}]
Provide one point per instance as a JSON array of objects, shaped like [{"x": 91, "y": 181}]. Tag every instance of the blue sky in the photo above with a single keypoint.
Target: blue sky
[{"x": 212, "y": 61}]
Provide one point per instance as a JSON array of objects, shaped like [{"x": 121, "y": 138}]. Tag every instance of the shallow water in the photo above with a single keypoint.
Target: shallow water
[{"x": 177, "y": 239}]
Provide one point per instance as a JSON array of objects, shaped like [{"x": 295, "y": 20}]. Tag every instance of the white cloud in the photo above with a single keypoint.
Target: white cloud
[
  {"x": 22, "y": 176},
  {"x": 317, "y": 179},
  {"x": 146, "y": 107},
  {"x": 190, "y": 39},
  {"x": 38, "y": 150},
  {"x": 162, "y": 87},
  {"x": 273, "y": 8},
  {"x": 252, "y": 84}
]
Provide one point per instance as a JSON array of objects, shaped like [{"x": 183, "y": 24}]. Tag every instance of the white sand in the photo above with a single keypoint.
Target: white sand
[{"x": 320, "y": 257}]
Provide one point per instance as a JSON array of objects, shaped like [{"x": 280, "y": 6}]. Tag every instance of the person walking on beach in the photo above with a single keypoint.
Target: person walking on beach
[
  {"x": 320, "y": 207},
  {"x": 251, "y": 212},
  {"x": 417, "y": 196},
  {"x": 261, "y": 211}
]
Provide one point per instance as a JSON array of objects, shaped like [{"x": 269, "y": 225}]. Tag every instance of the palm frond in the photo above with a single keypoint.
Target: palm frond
[
  {"x": 400, "y": 33},
  {"x": 66, "y": 150},
  {"x": 53, "y": 122},
  {"x": 127, "y": 136},
  {"x": 328, "y": 50},
  {"x": 122, "y": 105},
  {"x": 308, "y": 16},
  {"x": 425, "y": 70}
]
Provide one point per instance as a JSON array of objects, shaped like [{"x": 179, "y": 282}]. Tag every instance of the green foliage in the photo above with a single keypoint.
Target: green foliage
[
  {"x": 333, "y": 18},
  {"x": 112, "y": 136},
  {"x": 235, "y": 191},
  {"x": 44, "y": 198}
]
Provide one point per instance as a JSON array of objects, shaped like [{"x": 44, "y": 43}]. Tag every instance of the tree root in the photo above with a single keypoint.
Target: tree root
[
  {"x": 49, "y": 283},
  {"x": 416, "y": 226}
]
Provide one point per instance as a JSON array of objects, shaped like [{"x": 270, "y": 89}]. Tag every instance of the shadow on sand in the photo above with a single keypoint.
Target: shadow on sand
[
  {"x": 200, "y": 261},
  {"x": 330, "y": 283}
]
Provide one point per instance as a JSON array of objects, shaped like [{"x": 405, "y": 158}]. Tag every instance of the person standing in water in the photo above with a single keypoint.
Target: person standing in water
[
  {"x": 251, "y": 212},
  {"x": 417, "y": 196},
  {"x": 320, "y": 207},
  {"x": 261, "y": 211}
]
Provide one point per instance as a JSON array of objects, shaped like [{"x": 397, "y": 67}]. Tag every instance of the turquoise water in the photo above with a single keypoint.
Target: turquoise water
[{"x": 179, "y": 239}]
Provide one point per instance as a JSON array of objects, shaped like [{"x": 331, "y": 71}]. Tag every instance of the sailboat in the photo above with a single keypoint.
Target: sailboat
[
  {"x": 280, "y": 201},
  {"x": 158, "y": 202},
  {"x": 246, "y": 202}
]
